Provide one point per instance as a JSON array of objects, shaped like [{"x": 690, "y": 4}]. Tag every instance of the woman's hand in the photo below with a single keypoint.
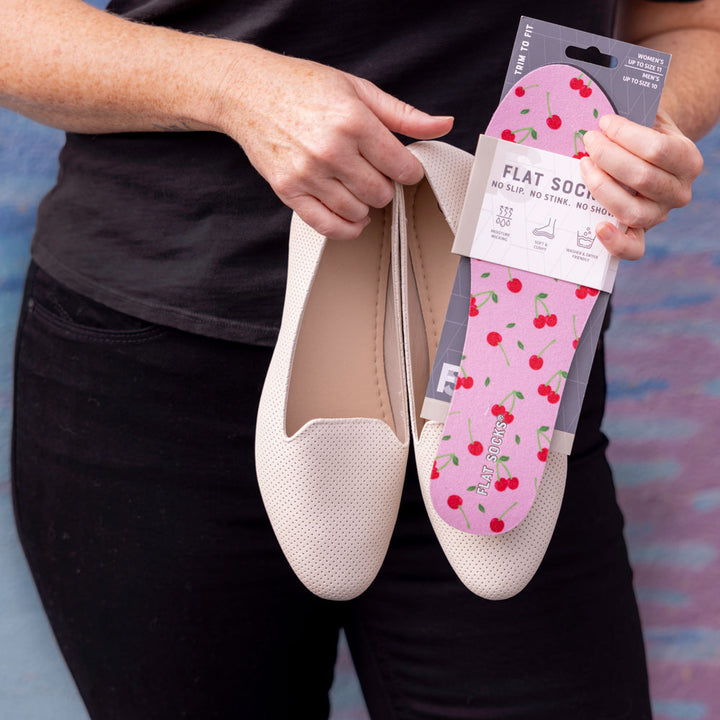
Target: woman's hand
[
  {"x": 659, "y": 164},
  {"x": 322, "y": 138}
]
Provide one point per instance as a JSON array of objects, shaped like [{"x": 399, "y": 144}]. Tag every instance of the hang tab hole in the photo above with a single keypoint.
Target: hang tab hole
[{"x": 591, "y": 55}]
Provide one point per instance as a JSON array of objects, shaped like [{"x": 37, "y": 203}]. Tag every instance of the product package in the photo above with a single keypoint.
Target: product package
[{"x": 539, "y": 280}]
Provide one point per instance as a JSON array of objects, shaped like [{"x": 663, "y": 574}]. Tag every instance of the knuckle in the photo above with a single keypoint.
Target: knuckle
[
  {"x": 684, "y": 196},
  {"x": 645, "y": 179},
  {"x": 285, "y": 187},
  {"x": 325, "y": 225},
  {"x": 638, "y": 217},
  {"x": 658, "y": 149},
  {"x": 409, "y": 171},
  {"x": 697, "y": 162},
  {"x": 355, "y": 212},
  {"x": 382, "y": 196}
]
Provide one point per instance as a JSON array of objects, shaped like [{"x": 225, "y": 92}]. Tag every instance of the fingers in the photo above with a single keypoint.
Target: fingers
[
  {"x": 663, "y": 146},
  {"x": 631, "y": 210},
  {"x": 319, "y": 217},
  {"x": 366, "y": 183},
  {"x": 381, "y": 148},
  {"x": 639, "y": 174},
  {"x": 649, "y": 180},
  {"x": 629, "y": 245},
  {"x": 400, "y": 117}
]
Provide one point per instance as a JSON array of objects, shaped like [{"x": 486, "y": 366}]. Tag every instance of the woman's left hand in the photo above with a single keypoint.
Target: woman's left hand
[{"x": 659, "y": 164}]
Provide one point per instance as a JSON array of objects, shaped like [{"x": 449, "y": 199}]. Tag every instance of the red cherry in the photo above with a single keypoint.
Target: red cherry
[
  {"x": 554, "y": 122},
  {"x": 501, "y": 484},
  {"x": 434, "y": 473},
  {"x": 576, "y": 83},
  {"x": 497, "y": 525},
  {"x": 508, "y": 418},
  {"x": 473, "y": 311},
  {"x": 535, "y": 362},
  {"x": 513, "y": 483},
  {"x": 542, "y": 455},
  {"x": 544, "y": 389},
  {"x": 498, "y": 410},
  {"x": 459, "y": 383},
  {"x": 585, "y": 91},
  {"x": 475, "y": 448},
  {"x": 592, "y": 291},
  {"x": 553, "y": 397},
  {"x": 551, "y": 320},
  {"x": 519, "y": 91},
  {"x": 469, "y": 382},
  {"x": 508, "y": 135},
  {"x": 581, "y": 292},
  {"x": 575, "y": 344},
  {"x": 494, "y": 338},
  {"x": 454, "y": 501},
  {"x": 581, "y": 154},
  {"x": 539, "y": 322},
  {"x": 514, "y": 285}
]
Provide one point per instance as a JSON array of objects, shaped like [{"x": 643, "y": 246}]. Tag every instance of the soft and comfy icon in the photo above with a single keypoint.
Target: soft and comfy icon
[
  {"x": 585, "y": 239},
  {"x": 547, "y": 230}
]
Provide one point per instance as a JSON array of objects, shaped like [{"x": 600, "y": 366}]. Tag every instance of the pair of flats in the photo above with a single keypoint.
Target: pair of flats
[{"x": 341, "y": 401}]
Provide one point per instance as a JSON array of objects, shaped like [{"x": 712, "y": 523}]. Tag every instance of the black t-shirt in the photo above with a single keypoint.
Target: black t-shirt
[{"x": 179, "y": 229}]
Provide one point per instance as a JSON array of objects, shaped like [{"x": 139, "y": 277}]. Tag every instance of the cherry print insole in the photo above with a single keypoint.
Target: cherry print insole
[{"x": 522, "y": 332}]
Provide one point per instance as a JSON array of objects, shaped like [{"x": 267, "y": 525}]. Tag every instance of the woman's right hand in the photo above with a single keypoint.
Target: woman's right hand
[{"x": 322, "y": 138}]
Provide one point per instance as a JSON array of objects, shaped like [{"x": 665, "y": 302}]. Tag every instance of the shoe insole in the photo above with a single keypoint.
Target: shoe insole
[
  {"x": 430, "y": 283},
  {"x": 339, "y": 361},
  {"x": 521, "y": 336}
]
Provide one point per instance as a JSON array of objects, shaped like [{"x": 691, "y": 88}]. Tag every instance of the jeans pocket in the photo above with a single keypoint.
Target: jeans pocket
[{"x": 74, "y": 315}]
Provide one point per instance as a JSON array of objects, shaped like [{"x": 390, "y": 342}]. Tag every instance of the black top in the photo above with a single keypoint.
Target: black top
[{"x": 179, "y": 229}]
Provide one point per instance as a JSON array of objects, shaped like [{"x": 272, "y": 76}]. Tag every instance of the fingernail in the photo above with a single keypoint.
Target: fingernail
[
  {"x": 586, "y": 164},
  {"x": 603, "y": 122},
  {"x": 606, "y": 232}
]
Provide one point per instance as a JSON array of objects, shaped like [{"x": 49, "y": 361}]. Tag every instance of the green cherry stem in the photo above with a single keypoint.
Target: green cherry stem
[
  {"x": 512, "y": 395},
  {"x": 497, "y": 470},
  {"x": 575, "y": 139},
  {"x": 507, "y": 511},
  {"x": 559, "y": 374},
  {"x": 546, "y": 347},
  {"x": 547, "y": 96},
  {"x": 540, "y": 432},
  {"x": 504, "y": 353},
  {"x": 574, "y": 328},
  {"x": 470, "y": 432},
  {"x": 538, "y": 299},
  {"x": 488, "y": 293},
  {"x": 464, "y": 515},
  {"x": 528, "y": 132},
  {"x": 451, "y": 458}
]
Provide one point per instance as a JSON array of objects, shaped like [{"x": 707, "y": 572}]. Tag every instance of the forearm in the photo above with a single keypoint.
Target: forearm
[
  {"x": 68, "y": 65},
  {"x": 691, "y": 32}
]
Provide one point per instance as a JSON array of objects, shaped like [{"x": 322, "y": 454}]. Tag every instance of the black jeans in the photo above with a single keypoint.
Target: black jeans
[{"x": 137, "y": 507}]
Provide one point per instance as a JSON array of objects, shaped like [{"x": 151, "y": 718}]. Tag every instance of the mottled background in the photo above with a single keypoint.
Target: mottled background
[{"x": 662, "y": 418}]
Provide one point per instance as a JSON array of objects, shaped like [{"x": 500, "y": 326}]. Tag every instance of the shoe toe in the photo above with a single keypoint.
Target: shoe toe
[
  {"x": 332, "y": 496},
  {"x": 495, "y": 567}
]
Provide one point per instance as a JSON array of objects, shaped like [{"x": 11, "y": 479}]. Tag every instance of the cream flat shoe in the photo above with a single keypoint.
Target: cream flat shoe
[
  {"x": 494, "y": 567},
  {"x": 332, "y": 428}
]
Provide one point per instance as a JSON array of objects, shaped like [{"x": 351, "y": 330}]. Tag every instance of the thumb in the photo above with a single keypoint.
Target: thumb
[{"x": 400, "y": 117}]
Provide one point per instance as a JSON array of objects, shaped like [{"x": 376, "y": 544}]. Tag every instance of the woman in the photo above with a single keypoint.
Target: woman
[{"x": 151, "y": 307}]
